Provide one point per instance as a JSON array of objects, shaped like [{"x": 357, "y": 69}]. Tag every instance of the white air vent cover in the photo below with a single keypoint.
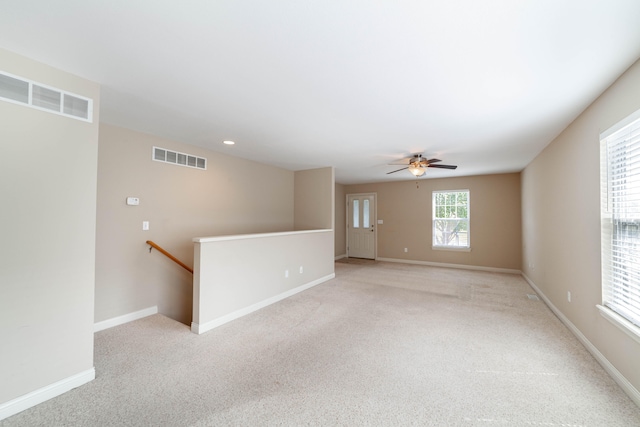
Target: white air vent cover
[
  {"x": 14, "y": 89},
  {"x": 180, "y": 159},
  {"x": 25, "y": 92},
  {"x": 76, "y": 106},
  {"x": 46, "y": 98}
]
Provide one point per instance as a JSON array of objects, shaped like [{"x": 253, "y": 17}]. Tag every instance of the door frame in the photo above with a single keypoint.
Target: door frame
[{"x": 375, "y": 221}]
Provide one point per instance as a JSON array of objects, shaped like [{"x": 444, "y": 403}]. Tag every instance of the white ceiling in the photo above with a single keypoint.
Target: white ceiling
[{"x": 352, "y": 84}]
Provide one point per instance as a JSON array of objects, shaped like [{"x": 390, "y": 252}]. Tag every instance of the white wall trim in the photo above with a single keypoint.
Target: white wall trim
[
  {"x": 125, "y": 318},
  {"x": 626, "y": 386},
  {"x": 258, "y": 236},
  {"x": 43, "y": 394},
  {"x": 445, "y": 265},
  {"x": 205, "y": 327},
  {"x": 340, "y": 257}
]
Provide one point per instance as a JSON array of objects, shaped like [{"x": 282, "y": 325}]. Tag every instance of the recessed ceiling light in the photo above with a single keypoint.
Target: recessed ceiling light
[{"x": 228, "y": 142}]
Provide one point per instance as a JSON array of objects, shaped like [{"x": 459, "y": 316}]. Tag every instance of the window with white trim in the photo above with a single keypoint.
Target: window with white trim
[
  {"x": 620, "y": 216},
  {"x": 451, "y": 219}
]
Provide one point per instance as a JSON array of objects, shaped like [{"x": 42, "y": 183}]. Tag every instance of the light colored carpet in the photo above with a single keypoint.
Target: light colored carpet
[
  {"x": 380, "y": 345},
  {"x": 362, "y": 261}
]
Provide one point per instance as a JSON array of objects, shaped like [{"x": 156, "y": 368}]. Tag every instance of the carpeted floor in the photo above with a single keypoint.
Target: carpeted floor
[
  {"x": 380, "y": 345},
  {"x": 361, "y": 261}
]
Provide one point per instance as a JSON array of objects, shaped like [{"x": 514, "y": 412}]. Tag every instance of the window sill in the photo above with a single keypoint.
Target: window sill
[
  {"x": 451, "y": 248},
  {"x": 627, "y": 327}
]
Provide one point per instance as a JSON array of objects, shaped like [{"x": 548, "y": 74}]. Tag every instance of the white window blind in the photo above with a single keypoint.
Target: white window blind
[{"x": 620, "y": 188}]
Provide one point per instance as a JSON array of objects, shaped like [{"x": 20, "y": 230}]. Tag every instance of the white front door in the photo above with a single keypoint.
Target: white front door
[{"x": 361, "y": 235}]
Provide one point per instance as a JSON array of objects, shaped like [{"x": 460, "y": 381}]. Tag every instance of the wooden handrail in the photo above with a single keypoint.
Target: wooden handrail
[{"x": 168, "y": 255}]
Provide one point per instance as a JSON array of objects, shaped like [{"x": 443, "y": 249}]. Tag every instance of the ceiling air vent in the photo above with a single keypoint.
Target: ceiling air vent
[
  {"x": 25, "y": 92},
  {"x": 180, "y": 159}
]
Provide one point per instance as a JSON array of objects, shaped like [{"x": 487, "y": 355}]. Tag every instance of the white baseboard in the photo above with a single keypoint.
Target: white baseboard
[
  {"x": 628, "y": 388},
  {"x": 202, "y": 328},
  {"x": 43, "y": 394},
  {"x": 445, "y": 265},
  {"x": 125, "y": 318},
  {"x": 340, "y": 257}
]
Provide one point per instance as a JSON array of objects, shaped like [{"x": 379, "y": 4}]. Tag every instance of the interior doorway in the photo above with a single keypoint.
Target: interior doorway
[{"x": 361, "y": 222}]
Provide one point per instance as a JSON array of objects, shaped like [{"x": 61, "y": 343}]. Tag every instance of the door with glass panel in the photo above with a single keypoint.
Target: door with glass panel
[{"x": 361, "y": 235}]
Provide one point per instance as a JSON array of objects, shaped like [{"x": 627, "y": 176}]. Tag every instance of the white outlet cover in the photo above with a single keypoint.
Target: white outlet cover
[{"x": 133, "y": 201}]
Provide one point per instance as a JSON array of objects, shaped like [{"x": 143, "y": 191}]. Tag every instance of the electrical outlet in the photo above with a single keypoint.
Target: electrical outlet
[
  {"x": 300, "y": 269},
  {"x": 569, "y": 296},
  {"x": 406, "y": 249},
  {"x": 286, "y": 274}
]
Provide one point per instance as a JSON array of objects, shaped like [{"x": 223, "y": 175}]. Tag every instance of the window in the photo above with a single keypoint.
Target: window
[
  {"x": 356, "y": 213},
  {"x": 620, "y": 215},
  {"x": 451, "y": 219},
  {"x": 365, "y": 213}
]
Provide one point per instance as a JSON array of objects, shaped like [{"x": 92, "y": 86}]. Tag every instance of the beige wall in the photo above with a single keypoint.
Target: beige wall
[
  {"x": 405, "y": 209},
  {"x": 340, "y": 243},
  {"x": 48, "y": 190},
  {"x": 561, "y": 223},
  {"x": 280, "y": 264},
  {"x": 180, "y": 203},
  {"x": 314, "y": 199}
]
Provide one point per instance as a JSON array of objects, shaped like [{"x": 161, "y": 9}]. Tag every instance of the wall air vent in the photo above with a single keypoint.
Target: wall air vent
[
  {"x": 32, "y": 94},
  {"x": 45, "y": 98},
  {"x": 14, "y": 89},
  {"x": 180, "y": 159}
]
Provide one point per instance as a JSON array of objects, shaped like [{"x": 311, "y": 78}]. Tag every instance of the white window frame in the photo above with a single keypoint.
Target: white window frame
[
  {"x": 466, "y": 247},
  {"x": 620, "y": 210}
]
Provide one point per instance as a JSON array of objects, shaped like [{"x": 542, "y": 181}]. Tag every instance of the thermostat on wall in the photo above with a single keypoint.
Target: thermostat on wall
[{"x": 133, "y": 201}]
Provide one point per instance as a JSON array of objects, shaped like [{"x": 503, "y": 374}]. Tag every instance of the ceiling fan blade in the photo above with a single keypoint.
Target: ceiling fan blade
[
  {"x": 433, "y": 161},
  {"x": 443, "y": 166},
  {"x": 401, "y": 161},
  {"x": 398, "y": 170}
]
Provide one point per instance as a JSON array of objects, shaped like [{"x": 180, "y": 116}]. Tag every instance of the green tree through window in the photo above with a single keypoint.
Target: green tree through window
[{"x": 451, "y": 218}]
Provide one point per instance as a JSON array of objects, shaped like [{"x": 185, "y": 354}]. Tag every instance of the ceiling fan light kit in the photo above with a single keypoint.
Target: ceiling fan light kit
[{"x": 416, "y": 170}]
